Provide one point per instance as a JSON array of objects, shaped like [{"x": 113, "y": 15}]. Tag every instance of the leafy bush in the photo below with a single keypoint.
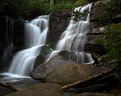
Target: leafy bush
[
  {"x": 112, "y": 42},
  {"x": 113, "y": 7},
  {"x": 24, "y": 8},
  {"x": 32, "y": 8},
  {"x": 80, "y": 2},
  {"x": 63, "y": 5}
]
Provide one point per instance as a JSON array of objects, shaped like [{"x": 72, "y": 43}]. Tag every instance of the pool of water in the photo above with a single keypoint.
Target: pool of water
[{"x": 19, "y": 82}]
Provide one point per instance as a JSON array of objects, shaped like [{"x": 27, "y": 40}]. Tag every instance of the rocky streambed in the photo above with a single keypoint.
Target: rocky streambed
[{"x": 61, "y": 77}]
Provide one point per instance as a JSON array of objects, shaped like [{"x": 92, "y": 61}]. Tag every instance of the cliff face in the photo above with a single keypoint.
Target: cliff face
[
  {"x": 57, "y": 24},
  {"x": 11, "y": 38},
  {"x": 104, "y": 10}
]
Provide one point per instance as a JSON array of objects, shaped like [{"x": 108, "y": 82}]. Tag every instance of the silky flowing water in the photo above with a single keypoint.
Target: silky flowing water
[{"x": 73, "y": 39}]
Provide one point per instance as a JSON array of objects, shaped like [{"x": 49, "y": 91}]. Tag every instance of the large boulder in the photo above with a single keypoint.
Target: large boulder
[
  {"x": 70, "y": 73},
  {"x": 63, "y": 71},
  {"x": 42, "y": 89},
  {"x": 43, "y": 69}
]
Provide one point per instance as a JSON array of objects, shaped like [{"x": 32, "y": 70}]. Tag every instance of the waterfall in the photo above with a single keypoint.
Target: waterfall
[
  {"x": 35, "y": 36},
  {"x": 74, "y": 37}
]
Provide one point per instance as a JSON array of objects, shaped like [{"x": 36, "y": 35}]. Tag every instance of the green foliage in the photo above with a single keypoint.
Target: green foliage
[
  {"x": 32, "y": 8},
  {"x": 63, "y": 5},
  {"x": 24, "y": 8},
  {"x": 77, "y": 15},
  {"x": 112, "y": 42},
  {"x": 113, "y": 7},
  {"x": 67, "y": 5},
  {"x": 80, "y": 2}
]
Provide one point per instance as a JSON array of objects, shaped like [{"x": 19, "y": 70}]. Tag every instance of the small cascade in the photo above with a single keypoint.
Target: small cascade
[
  {"x": 35, "y": 34},
  {"x": 74, "y": 37}
]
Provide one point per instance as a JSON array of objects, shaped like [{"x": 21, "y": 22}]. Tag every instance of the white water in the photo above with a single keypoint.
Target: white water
[
  {"x": 36, "y": 32},
  {"x": 74, "y": 37}
]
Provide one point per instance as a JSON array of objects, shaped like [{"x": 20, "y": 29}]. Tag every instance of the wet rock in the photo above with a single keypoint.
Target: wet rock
[
  {"x": 42, "y": 89},
  {"x": 95, "y": 48},
  {"x": 4, "y": 91},
  {"x": 60, "y": 69},
  {"x": 44, "y": 51},
  {"x": 95, "y": 94},
  {"x": 43, "y": 69},
  {"x": 57, "y": 24},
  {"x": 61, "y": 58},
  {"x": 39, "y": 73}
]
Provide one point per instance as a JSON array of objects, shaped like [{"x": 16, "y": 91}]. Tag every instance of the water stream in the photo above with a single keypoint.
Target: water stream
[
  {"x": 73, "y": 40},
  {"x": 35, "y": 36},
  {"x": 74, "y": 37}
]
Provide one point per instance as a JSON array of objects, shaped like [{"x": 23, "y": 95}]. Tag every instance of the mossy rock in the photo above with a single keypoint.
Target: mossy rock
[
  {"x": 42, "y": 89},
  {"x": 99, "y": 11}
]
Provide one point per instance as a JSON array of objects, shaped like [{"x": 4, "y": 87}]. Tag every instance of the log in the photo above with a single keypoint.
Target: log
[
  {"x": 88, "y": 81},
  {"x": 9, "y": 86}
]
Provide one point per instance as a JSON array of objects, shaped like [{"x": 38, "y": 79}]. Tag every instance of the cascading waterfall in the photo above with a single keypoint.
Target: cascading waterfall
[
  {"x": 74, "y": 37},
  {"x": 36, "y": 32}
]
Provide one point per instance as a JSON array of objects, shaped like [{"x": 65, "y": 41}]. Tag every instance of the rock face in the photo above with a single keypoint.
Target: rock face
[
  {"x": 57, "y": 24},
  {"x": 100, "y": 12},
  {"x": 11, "y": 39},
  {"x": 42, "y": 89}
]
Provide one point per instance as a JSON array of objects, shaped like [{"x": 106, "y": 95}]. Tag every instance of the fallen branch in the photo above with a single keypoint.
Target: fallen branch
[
  {"x": 9, "y": 86},
  {"x": 88, "y": 81}
]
